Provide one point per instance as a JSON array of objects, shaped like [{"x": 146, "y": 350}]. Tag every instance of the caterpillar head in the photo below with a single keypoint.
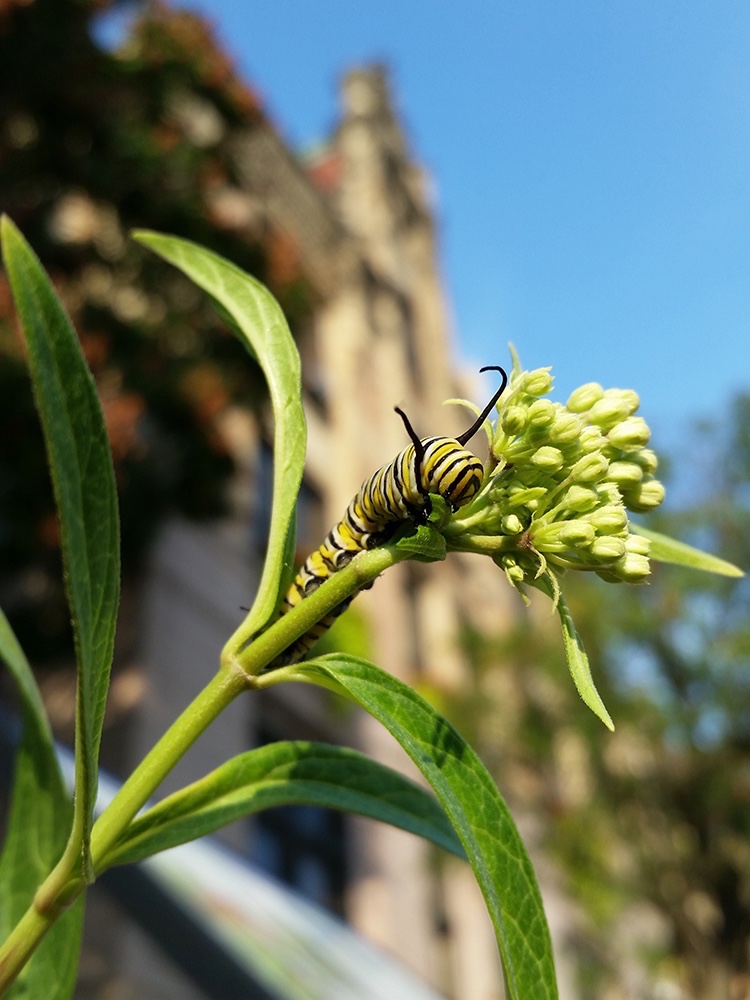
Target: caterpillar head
[
  {"x": 451, "y": 470},
  {"x": 444, "y": 465}
]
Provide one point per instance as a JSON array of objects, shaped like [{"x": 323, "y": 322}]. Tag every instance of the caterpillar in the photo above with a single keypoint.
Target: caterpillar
[{"x": 395, "y": 493}]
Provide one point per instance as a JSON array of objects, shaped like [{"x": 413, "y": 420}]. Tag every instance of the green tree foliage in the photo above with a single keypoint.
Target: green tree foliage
[{"x": 94, "y": 143}]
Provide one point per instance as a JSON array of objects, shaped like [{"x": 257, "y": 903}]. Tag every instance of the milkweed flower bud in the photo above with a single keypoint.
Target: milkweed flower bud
[
  {"x": 633, "y": 568},
  {"x": 541, "y": 413},
  {"x": 584, "y": 397},
  {"x": 608, "y": 548},
  {"x": 589, "y": 469},
  {"x": 514, "y": 420},
  {"x": 547, "y": 458},
  {"x": 591, "y": 439},
  {"x": 511, "y": 524},
  {"x": 610, "y": 410},
  {"x": 631, "y": 399},
  {"x": 580, "y": 499},
  {"x": 625, "y": 474},
  {"x": 565, "y": 427},
  {"x": 520, "y": 496},
  {"x": 535, "y": 383},
  {"x": 645, "y": 496},
  {"x": 577, "y": 534},
  {"x": 638, "y": 545},
  {"x": 630, "y": 435},
  {"x": 609, "y": 519},
  {"x": 609, "y": 492},
  {"x": 514, "y": 572},
  {"x": 646, "y": 458}
]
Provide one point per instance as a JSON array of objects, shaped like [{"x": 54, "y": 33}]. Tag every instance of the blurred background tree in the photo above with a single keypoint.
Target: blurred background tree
[
  {"x": 650, "y": 826},
  {"x": 93, "y": 143}
]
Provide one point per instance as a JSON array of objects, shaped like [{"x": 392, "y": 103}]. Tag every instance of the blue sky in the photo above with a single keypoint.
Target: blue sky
[{"x": 591, "y": 162}]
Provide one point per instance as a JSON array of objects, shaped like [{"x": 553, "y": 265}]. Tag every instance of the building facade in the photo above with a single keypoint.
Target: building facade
[{"x": 358, "y": 220}]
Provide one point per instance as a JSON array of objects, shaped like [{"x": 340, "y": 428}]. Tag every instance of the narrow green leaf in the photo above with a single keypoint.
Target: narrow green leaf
[
  {"x": 37, "y": 828},
  {"x": 473, "y": 803},
  {"x": 259, "y": 322},
  {"x": 84, "y": 485},
  {"x": 579, "y": 666},
  {"x": 575, "y": 653},
  {"x": 669, "y": 550},
  {"x": 280, "y": 774}
]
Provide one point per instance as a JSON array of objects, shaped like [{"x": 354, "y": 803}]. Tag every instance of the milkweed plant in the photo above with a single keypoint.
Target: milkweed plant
[{"x": 555, "y": 497}]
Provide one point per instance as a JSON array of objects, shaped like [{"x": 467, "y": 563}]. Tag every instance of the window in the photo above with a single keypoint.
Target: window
[{"x": 310, "y": 530}]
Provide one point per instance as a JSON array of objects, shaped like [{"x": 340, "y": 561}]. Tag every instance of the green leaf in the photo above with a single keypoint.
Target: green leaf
[
  {"x": 84, "y": 485},
  {"x": 280, "y": 774},
  {"x": 473, "y": 803},
  {"x": 260, "y": 324},
  {"x": 580, "y": 669},
  {"x": 422, "y": 543},
  {"x": 37, "y": 827},
  {"x": 440, "y": 511},
  {"x": 578, "y": 661},
  {"x": 669, "y": 550}
]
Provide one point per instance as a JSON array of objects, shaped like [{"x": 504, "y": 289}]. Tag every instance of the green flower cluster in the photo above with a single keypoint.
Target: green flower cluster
[{"x": 565, "y": 478}]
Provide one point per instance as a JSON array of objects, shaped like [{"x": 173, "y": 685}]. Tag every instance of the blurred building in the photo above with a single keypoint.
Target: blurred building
[{"x": 356, "y": 216}]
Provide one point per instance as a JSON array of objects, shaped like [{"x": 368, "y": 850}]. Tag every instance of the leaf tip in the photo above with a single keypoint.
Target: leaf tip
[
  {"x": 144, "y": 236},
  {"x": 597, "y": 706},
  {"x": 731, "y": 570},
  {"x": 8, "y": 231}
]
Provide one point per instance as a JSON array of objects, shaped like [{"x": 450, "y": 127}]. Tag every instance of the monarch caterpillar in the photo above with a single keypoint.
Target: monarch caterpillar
[{"x": 395, "y": 493}]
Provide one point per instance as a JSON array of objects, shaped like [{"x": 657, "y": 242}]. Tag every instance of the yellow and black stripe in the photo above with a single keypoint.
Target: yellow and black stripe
[{"x": 395, "y": 493}]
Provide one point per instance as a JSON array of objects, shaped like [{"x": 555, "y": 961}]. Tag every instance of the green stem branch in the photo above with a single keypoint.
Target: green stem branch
[
  {"x": 22, "y": 941},
  {"x": 346, "y": 582},
  {"x": 220, "y": 691},
  {"x": 482, "y": 544}
]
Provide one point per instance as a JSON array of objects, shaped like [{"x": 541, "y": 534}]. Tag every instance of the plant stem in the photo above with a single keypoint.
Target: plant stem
[
  {"x": 344, "y": 583},
  {"x": 20, "y": 944},
  {"x": 156, "y": 765},
  {"x": 483, "y": 544}
]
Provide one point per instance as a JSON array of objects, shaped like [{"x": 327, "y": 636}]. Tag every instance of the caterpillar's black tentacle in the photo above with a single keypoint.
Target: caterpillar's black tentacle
[
  {"x": 468, "y": 435},
  {"x": 396, "y": 492},
  {"x": 418, "y": 446}
]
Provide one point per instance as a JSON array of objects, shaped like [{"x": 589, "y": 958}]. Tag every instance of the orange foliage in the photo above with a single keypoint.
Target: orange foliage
[
  {"x": 121, "y": 416},
  {"x": 166, "y": 34},
  {"x": 282, "y": 259}
]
